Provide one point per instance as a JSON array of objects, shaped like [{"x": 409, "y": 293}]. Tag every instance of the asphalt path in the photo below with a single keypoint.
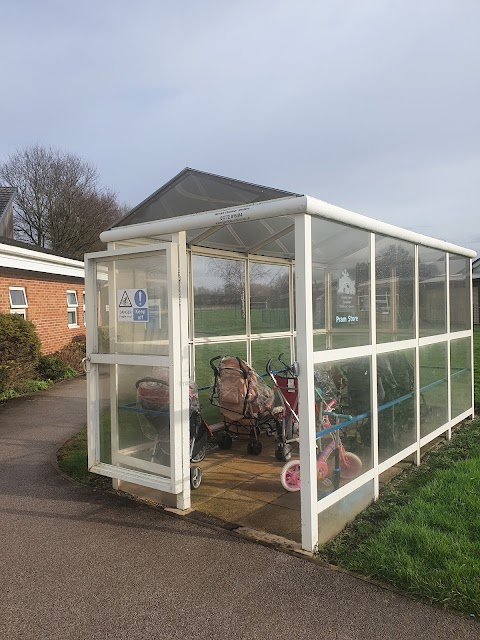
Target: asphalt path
[{"x": 79, "y": 563}]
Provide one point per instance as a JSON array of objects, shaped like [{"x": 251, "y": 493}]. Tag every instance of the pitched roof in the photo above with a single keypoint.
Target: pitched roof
[
  {"x": 6, "y": 196},
  {"x": 193, "y": 191}
]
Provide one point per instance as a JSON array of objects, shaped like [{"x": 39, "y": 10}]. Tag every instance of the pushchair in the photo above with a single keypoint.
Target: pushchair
[
  {"x": 286, "y": 385},
  {"x": 244, "y": 400},
  {"x": 153, "y": 400}
]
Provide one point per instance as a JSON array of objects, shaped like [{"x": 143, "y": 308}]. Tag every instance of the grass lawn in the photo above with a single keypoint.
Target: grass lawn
[
  {"x": 423, "y": 535},
  {"x": 476, "y": 356}
]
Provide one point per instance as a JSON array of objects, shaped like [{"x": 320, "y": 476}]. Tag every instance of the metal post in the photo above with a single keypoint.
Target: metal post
[{"x": 304, "y": 316}]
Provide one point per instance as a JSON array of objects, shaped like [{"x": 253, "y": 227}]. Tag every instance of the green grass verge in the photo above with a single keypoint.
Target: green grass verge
[
  {"x": 476, "y": 356},
  {"x": 423, "y": 534},
  {"x": 73, "y": 461}
]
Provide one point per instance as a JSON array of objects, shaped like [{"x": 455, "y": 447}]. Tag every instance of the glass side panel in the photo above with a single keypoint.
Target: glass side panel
[
  {"x": 461, "y": 375},
  {"x": 395, "y": 289},
  {"x": 132, "y": 304},
  {"x": 433, "y": 388},
  {"x": 204, "y": 375},
  {"x": 219, "y": 296},
  {"x": 139, "y": 438},
  {"x": 343, "y": 400},
  {"x": 396, "y": 402},
  {"x": 263, "y": 350},
  {"x": 432, "y": 294},
  {"x": 460, "y": 309},
  {"x": 341, "y": 284},
  {"x": 333, "y": 520},
  {"x": 269, "y": 298}
]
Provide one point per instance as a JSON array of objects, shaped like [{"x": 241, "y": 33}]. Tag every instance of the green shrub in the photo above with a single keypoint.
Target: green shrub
[
  {"x": 19, "y": 350},
  {"x": 73, "y": 353},
  {"x": 51, "y": 368}
]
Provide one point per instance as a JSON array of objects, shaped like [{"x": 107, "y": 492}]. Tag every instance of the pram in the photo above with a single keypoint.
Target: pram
[
  {"x": 244, "y": 400},
  {"x": 153, "y": 400},
  {"x": 286, "y": 384}
]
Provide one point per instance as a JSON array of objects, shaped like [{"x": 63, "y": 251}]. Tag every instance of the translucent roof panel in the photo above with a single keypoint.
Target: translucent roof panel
[
  {"x": 193, "y": 191},
  {"x": 252, "y": 236}
]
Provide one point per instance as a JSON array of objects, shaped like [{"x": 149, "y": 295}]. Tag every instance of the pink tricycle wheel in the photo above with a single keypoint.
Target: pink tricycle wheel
[
  {"x": 290, "y": 476},
  {"x": 350, "y": 466}
]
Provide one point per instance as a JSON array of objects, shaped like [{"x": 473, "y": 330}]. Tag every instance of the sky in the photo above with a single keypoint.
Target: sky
[{"x": 371, "y": 105}]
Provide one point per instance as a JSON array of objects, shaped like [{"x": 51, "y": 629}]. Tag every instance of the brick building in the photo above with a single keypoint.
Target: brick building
[{"x": 45, "y": 288}]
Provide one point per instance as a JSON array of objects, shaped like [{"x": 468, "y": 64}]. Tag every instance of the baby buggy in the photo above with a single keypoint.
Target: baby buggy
[
  {"x": 244, "y": 400},
  {"x": 153, "y": 400},
  {"x": 286, "y": 385}
]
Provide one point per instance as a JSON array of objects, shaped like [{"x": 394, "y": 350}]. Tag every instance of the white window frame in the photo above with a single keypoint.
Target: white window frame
[
  {"x": 84, "y": 319},
  {"x": 19, "y": 309},
  {"x": 72, "y": 308}
]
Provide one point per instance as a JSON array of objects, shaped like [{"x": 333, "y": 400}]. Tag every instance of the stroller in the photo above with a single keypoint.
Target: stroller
[
  {"x": 286, "y": 385},
  {"x": 153, "y": 400},
  {"x": 244, "y": 400}
]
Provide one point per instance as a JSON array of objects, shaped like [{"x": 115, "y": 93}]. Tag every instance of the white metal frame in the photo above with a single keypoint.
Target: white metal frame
[
  {"x": 249, "y": 337},
  {"x": 175, "y": 476},
  {"x": 303, "y": 208}
]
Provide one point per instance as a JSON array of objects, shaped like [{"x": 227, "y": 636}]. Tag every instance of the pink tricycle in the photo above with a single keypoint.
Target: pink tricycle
[{"x": 346, "y": 466}]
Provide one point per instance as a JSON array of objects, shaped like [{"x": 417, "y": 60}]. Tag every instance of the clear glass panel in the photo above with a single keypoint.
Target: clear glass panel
[
  {"x": 395, "y": 289},
  {"x": 343, "y": 400},
  {"x": 219, "y": 296},
  {"x": 341, "y": 284},
  {"x": 461, "y": 375},
  {"x": 396, "y": 402},
  {"x": 140, "y": 437},
  {"x": 433, "y": 387},
  {"x": 433, "y": 300},
  {"x": 204, "y": 373},
  {"x": 132, "y": 298},
  {"x": 269, "y": 298},
  {"x": 263, "y": 350},
  {"x": 333, "y": 520},
  {"x": 72, "y": 317},
  {"x": 460, "y": 309}
]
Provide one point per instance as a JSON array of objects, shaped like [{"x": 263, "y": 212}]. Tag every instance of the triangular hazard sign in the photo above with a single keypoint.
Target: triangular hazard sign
[{"x": 125, "y": 300}]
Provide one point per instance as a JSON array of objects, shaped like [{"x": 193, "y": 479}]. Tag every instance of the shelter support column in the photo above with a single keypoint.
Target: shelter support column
[{"x": 304, "y": 317}]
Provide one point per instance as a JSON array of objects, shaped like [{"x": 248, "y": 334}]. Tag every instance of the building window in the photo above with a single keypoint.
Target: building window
[
  {"x": 83, "y": 296},
  {"x": 18, "y": 301},
  {"x": 72, "y": 307}
]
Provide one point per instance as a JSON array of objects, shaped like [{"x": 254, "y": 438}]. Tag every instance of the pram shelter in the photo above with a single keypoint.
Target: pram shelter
[{"x": 264, "y": 356}]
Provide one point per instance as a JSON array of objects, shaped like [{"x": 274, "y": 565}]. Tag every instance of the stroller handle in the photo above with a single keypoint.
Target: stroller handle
[
  {"x": 215, "y": 369},
  {"x": 291, "y": 369}
]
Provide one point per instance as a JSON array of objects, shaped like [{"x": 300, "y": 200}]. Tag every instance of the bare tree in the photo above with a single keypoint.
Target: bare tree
[{"x": 60, "y": 204}]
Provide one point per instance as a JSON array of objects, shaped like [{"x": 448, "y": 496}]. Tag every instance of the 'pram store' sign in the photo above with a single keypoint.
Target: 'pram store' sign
[
  {"x": 132, "y": 305},
  {"x": 346, "y": 302}
]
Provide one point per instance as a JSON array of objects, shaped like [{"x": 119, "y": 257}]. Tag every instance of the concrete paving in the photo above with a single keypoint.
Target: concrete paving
[{"x": 78, "y": 563}]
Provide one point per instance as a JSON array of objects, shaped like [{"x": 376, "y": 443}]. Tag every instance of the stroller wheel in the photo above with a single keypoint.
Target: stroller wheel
[
  {"x": 200, "y": 455},
  {"x": 195, "y": 477},
  {"x": 283, "y": 452},
  {"x": 254, "y": 447},
  {"x": 225, "y": 441}
]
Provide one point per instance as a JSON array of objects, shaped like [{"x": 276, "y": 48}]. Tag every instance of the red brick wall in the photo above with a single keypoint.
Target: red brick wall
[{"x": 47, "y": 304}]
